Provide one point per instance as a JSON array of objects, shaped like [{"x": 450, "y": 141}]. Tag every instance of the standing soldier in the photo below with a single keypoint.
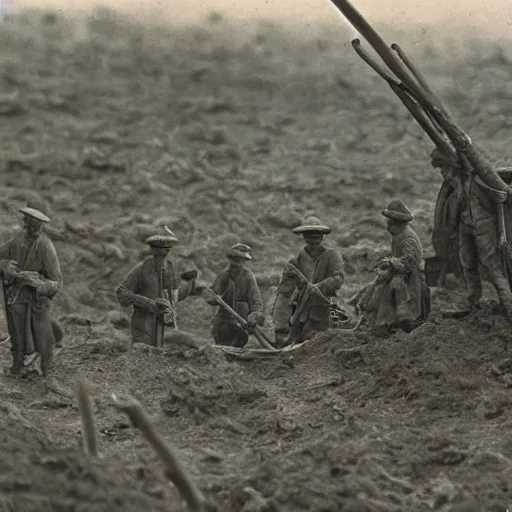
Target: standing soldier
[
  {"x": 445, "y": 235},
  {"x": 309, "y": 281},
  {"x": 152, "y": 287},
  {"x": 31, "y": 277},
  {"x": 482, "y": 230},
  {"x": 399, "y": 296},
  {"x": 237, "y": 287}
]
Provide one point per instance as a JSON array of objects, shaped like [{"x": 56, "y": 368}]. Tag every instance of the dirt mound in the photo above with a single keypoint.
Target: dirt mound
[
  {"x": 230, "y": 134},
  {"x": 39, "y": 475}
]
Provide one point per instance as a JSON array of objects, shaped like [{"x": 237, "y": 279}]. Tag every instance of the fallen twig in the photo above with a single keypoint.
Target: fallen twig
[
  {"x": 90, "y": 440},
  {"x": 174, "y": 469}
]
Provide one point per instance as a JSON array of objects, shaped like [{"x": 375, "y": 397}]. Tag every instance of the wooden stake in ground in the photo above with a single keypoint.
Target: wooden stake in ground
[
  {"x": 89, "y": 437},
  {"x": 174, "y": 469}
]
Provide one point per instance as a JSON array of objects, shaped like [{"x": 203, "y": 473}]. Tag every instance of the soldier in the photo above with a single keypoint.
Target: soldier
[
  {"x": 153, "y": 289},
  {"x": 237, "y": 286},
  {"x": 399, "y": 296},
  {"x": 31, "y": 277},
  {"x": 482, "y": 227},
  {"x": 309, "y": 281},
  {"x": 445, "y": 235}
]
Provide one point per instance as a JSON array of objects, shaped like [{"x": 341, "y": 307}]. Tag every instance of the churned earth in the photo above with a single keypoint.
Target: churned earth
[{"x": 234, "y": 134}]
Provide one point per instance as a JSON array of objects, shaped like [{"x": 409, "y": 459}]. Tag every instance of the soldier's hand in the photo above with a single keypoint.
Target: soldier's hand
[
  {"x": 382, "y": 265},
  {"x": 189, "y": 275},
  {"x": 210, "y": 296},
  {"x": 199, "y": 288},
  {"x": 162, "y": 304},
  {"x": 33, "y": 282},
  {"x": 252, "y": 320},
  {"x": 289, "y": 271},
  {"x": 11, "y": 270},
  {"x": 502, "y": 195},
  {"x": 503, "y": 240}
]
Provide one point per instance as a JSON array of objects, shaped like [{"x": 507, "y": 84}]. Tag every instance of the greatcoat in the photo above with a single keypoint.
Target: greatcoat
[
  {"x": 27, "y": 311},
  {"x": 145, "y": 283}
]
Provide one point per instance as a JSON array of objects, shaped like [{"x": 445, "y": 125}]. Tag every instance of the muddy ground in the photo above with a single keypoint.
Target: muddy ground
[{"x": 224, "y": 135}]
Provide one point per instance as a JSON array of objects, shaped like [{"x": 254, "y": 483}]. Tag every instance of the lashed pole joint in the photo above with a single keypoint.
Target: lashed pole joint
[{"x": 416, "y": 86}]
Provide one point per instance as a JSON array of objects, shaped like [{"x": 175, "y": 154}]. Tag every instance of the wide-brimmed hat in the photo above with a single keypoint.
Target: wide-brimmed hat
[
  {"x": 162, "y": 241},
  {"x": 312, "y": 225},
  {"x": 35, "y": 214},
  {"x": 240, "y": 251},
  {"x": 397, "y": 210}
]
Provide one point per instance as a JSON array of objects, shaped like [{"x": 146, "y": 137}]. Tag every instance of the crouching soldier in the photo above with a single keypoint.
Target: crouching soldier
[
  {"x": 153, "y": 289},
  {"x": 238, "y": 288},
  {"x": 399, "y": 296},
  {"x": 309, "y": 282}
]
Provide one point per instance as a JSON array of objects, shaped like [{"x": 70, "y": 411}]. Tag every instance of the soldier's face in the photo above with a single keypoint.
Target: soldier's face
[
  {"x": 447, "y": 174},
  {"x": 159, "y": 252},
  {"x": 394, "y": 226},
  {"x": 235, "y": 262},
  {"x": 32, "y": 226},
  {"x": 313, "y": 238}
]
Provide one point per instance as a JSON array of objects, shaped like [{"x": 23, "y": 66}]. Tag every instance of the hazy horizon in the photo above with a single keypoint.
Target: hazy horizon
[{"x": 491, "y": 17}]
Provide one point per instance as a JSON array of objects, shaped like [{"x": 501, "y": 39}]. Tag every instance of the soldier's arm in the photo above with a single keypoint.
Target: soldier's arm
[
  {"x": 408, "y": 261},
  {"x": 51, "y": 285},
  {"x": 256, "y": 314},
  {"x": 186, "y": 288},
  {"x": 5, "y": 255},
  {"x": 331, "y": 284},
  {"x": 255, "y": 295},
  {"x": 289, "y": 280},
  {"x": 127, "y": 294},
  {"x": 218, "y": 287},
  {"x": 180, "y": 291}
]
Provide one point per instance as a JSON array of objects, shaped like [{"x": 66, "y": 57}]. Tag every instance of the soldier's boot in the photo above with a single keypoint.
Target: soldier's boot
[
  {"x": 407, "y": 326},
  {"x": 502, "y": 287},
  {"x": 474, "y": 287},
  {"x": 16, "y": 371},
  {"x": 506, "y": 302}
]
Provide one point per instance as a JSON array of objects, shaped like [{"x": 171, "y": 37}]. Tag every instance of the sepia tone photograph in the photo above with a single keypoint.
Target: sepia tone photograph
[{"x": 256, "y": 256}]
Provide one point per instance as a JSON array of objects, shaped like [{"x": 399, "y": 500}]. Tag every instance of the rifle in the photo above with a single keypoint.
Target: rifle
[
  {"x": 166, "y": 317},
  {"x": 310, "y": 288},
  {"x": 258, "y": 333}
]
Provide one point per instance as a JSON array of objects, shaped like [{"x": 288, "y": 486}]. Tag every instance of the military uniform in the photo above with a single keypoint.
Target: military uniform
[
  {"x": 153, "y": 289},
  {"x": 479, "y": 245},
  {"x": 28, "y": 299},
  {"x": 237, "y": 287},
  {"x": 301, "y": 311},
  {"x": 479, "y": 238},
  {"x": 399, "y": 297},
  {"x": 445, "y": 233}
]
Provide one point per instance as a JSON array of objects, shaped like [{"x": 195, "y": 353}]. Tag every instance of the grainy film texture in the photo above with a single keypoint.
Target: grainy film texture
[{"x": 252, "y": 268}]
